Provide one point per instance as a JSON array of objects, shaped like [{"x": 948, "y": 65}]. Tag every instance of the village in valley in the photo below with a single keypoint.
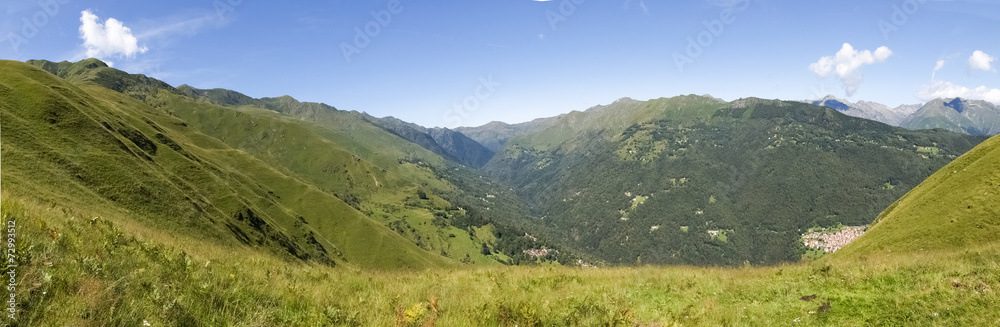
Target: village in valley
[{"x": 832, "y": 239}]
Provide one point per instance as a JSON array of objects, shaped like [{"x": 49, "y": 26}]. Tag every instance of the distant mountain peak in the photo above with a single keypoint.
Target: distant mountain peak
[
  {"x": 835, "y": 103},
  {"x": 957, "y": 103},
  {"x": 93, "y": 63},
  {"x": 706, "y": 95},
  {"x": 754, "y": 102},
  {"x": 867, "y": 109},
  {"x": 974, "y": 117},
  {"x": 832, "y": 97},
  {"x": 496, "y": 123}
]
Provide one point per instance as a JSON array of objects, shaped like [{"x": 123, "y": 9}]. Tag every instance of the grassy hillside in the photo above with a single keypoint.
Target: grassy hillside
[
  {"x": 396, "y": 183},
  {"x": 83, "y": 145},
  {"x": 83, "y": 271},
  {"x": 956, "y": 208},
  {"x": 375, "y": 172},
  {"x": 442, "y": 141},
  {"x": 96, "y": 71},
  {"x": 705, "y": 184}
]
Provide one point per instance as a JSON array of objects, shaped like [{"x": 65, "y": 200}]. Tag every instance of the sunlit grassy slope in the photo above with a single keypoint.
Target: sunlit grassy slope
[
  {"x": 378, "y": 173},
  {"x": 82, "y": 145},
  {"x": 957, "y": 207},
  {"x": 82, "y": 271},
  {"x": 437, "y": 204}
]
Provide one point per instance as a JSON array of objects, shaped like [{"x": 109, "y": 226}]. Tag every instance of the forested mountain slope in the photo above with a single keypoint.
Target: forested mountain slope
[{"x": 695, "y": 181}]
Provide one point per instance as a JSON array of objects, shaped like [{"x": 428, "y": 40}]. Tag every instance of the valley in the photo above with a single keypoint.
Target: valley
[
  {"x": 143, "y": 203},
  {"x": 695, "y": 164}
]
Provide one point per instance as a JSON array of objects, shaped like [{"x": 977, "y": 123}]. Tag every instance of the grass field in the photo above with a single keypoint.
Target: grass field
[{"x": 76, "y": 269}]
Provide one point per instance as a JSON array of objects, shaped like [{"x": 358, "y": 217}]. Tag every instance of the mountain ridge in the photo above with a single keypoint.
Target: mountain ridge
[
  {"x": 386, "y": 183},
  {"x": 868, "y": 110},
  {"x": 973, "y": 117},
  {"x": 662, "y": 189},
  {"x": 667, "y": 138}
]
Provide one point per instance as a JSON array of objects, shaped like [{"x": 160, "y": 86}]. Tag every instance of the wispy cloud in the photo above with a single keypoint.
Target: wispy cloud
[
  {"x": 423, "y": 34},
  {"x": 642, "y": 5},
  {"x": 729, "y": 3},
  {"x": 943, "y": 89},
  {"x": 446, "y": 37},
  {"x": 937, "y": 67},
  {"x": 178, "y": 25}
]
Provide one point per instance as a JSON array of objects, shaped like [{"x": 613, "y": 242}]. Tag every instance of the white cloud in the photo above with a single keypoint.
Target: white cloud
[
  {"x": 943, "y": 89},
  {"x": 110, "y": 39},
  {"x": 981, "y": 61},
  {"x": 845, "y": 64}
]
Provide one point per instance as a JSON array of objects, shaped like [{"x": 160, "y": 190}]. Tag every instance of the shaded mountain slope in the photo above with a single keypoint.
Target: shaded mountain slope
[{"x": 443, "y": 141}]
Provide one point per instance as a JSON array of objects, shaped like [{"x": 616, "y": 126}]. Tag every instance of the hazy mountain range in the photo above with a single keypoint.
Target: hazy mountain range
[{"x": 973, "y": 117}]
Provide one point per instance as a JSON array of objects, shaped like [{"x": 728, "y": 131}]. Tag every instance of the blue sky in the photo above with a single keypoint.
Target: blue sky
[{"x": 460, "y": 62}]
